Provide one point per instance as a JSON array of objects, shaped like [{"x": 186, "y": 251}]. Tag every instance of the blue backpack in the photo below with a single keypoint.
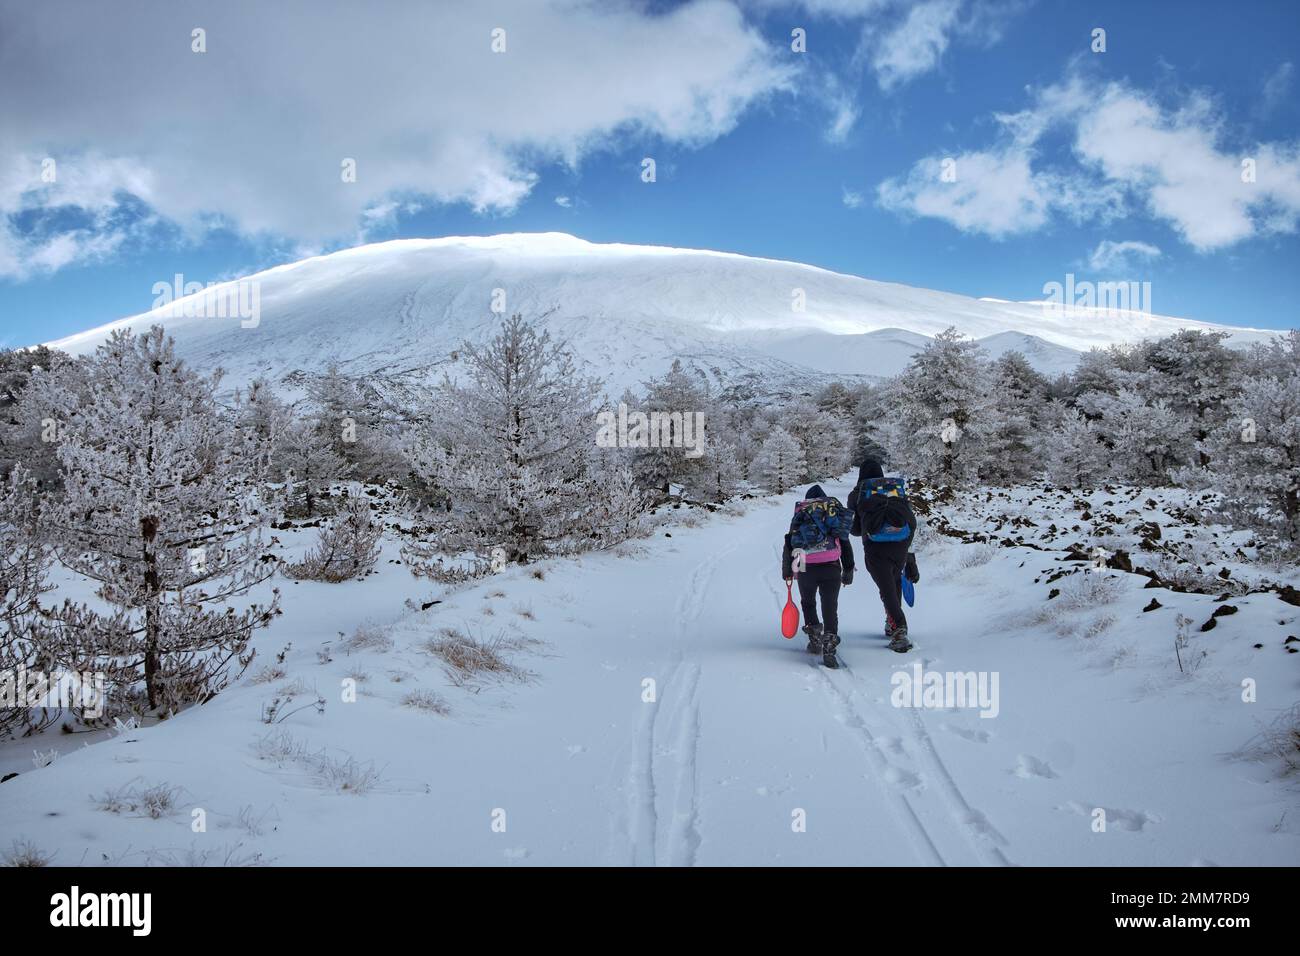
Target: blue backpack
[{"x": 882, "y": 503}]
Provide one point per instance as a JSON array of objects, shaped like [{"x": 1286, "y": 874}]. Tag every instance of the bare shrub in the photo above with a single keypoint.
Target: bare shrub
[
  {"x": 24, "y": 853},
  {"x": 346, "y": 775},
  {"x": 346, "y": 549},
  {"x": 368, "y": 637},
  {"x": 468, "y": 660},
  {"x": 157, "y": 801},
  {"x": 1089, "y": 590},
  {"x": 427, "y": 701},
  {"x": 1280, "y": 739},
  {"x": 268, "y": 674},
  {"x": 975, "y": 555}
]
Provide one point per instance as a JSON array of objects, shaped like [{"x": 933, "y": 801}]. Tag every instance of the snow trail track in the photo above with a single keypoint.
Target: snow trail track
[{"x": 744, "y": 736}]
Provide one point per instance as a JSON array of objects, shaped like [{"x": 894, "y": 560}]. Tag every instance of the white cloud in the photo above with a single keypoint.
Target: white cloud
[
  {"x": 1110, "y": 256},
  {"x": 1276, "y": 87},
  {"x": 1127, "y": 152},
  {"x": 253, "y": 132},
  {"x": 915, "y": 45},
  {"x": 995, "y": 193},
  {"x": 851, "y": 199},
  {"x": 563, "y": 201}
]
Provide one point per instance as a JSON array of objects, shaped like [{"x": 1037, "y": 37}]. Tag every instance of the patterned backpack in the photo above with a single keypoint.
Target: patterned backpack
[{"x": 817, "y": 527}]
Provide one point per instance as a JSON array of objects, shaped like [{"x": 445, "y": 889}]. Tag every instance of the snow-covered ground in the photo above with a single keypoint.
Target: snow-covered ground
[{"x": 565, "y": 761}]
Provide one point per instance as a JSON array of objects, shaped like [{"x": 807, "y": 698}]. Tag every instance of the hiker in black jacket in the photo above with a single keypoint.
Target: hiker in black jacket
[
  {"x": 824, "y": 572},
  {"x": 886, "y": 561}
]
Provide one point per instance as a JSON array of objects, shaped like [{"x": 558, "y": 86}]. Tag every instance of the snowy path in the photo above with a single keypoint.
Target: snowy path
[{"x": 746, "y": 735}]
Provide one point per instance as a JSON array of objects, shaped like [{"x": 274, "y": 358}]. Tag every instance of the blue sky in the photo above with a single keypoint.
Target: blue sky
[{"x": 1118, "y": 164}]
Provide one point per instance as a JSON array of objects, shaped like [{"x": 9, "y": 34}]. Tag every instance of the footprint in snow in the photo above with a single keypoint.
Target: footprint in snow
[
  {"x": 575, "y": 749},
  {"x": 1028, "y": 767},
  {"x": 1134, "y": 821},
  {"x": 903, "y": 779},
  {"x": 974, "y": 736}
]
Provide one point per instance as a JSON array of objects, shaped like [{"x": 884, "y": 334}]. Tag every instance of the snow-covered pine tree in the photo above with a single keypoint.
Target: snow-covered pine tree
[
  {"x": 23, "y": 565},
  {"x": 28, "y": 429},
  {"x": 513, "y": 445},
  {"x": 307, "y": 464},
  {"x": 1195, "y": 375},
  {"x": 1254, "y": 458},
  {"x": 677, "y": 393},
  {"x": 779, "y": 464},
  {"x": 821, "y": 436},
  {"x": 348, "y": 420},
  {"x": 872, "y": 418},
  {"x": 722, "y": 472},
  {"x": 1145, "y": 438},
  {"x": 1070, "y": 449},
  {"x": 163, "y": 508},
  {"x": 1016, "y": 420},
  {"x": 941, "y": 409}
]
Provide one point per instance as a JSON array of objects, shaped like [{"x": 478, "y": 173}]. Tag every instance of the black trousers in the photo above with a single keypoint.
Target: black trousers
[
  {"x": 823, "y": 579},
  {"x": 885, "y": 565}
]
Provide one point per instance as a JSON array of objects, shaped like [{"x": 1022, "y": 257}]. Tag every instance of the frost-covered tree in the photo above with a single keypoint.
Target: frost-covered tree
[
  {"x": 1145, "y": 438},
  {"x": 681, "y": 401},
  {"x": 779, "y": 464},
  {"x": 348, "y": 420},
  {"x": 941, "y": 409},
  {"x": 347, "y": 547},
  {"x": 307, "y": 464},
  {"x": 1016, "y": 420},
  {"x": 722, "y": 473},
  {"x": 1070, "y": 449},
  {"x": 872, "y": 414},
  {"x": 163, "y": 507},
  {"x": 23, "y": 565},
  {"x": 28, "y": 429},
  {"x": 821, "y": 436},
  {"x": 1195, "y": 375},
  {"x": 1254, "y": 457},
  {"x": 514, "y": 445}
]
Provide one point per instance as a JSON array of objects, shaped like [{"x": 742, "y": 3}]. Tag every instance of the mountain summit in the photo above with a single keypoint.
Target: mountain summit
[{"x": 401, "y": 308}]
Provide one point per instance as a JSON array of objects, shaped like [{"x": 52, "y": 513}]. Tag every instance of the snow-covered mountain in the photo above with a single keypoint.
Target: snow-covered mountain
[{"x": 398, "y": 311}]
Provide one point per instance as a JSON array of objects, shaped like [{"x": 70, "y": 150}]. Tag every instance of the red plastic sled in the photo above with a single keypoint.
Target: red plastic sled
[{"x": 789, "y": 615}]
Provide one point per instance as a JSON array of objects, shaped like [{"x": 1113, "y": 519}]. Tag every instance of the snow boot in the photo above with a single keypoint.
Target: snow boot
[
  {"x": 829, "y": 643},
  {"x": 889, "y": 627},
  {"x": 814, "y": 632},
  {"x": 898, "y": 641}
]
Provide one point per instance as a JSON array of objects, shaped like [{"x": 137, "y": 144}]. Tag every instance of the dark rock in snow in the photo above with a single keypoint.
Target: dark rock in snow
[{"x": 1153, "y": 605}]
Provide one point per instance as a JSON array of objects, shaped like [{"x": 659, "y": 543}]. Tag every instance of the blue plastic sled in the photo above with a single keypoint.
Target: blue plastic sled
[{"x": 909, "y": 591}]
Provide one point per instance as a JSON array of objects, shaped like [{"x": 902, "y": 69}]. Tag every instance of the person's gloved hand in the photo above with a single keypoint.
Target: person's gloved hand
[
  {"x": 846, "y": 577},
  {"x": 911, "y": 572}
]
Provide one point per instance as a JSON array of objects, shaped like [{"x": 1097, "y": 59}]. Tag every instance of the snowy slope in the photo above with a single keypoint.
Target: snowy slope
[
  {"x": 399, "y": 309},
  {"x": 744, "y": 731}
]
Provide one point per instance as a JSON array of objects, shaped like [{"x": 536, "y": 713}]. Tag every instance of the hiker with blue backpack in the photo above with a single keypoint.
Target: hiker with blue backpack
[
  {"x": 884, "y": 520},
  {"x": 818, "y": 551}
]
